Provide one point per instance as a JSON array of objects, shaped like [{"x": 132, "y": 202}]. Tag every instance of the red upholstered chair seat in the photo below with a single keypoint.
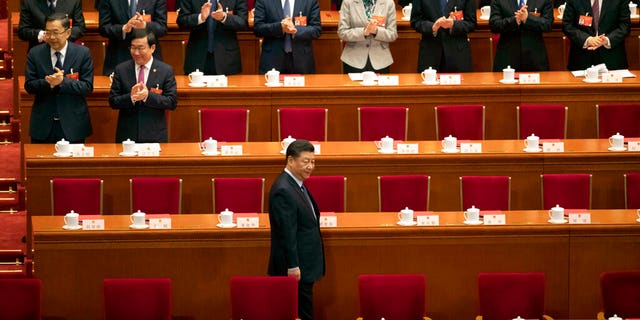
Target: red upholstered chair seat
[
  {"x": 618, "y": 118},
  {"x": 376, "y": 122},
  {"x": 465, "y": 122},
  {"x": 20, "y": 299},
  {"x": 230, "y": 125},
  {"x": 302, "y": 123},
  {"x": 397, "y": 192},
  {"x": 570, "y": 191},
  {"x": 632, "y": 190},
  {"x": 392, "y": 296},
  {"x": 329, "y": 192},
  {"x": 505, "y": 296},
  {"x": 238, "y": 195},
  {"x": 137, "y": 299},
  {"x": 547, "y": 121},
  {"x": 621, "y": 293},
  {"x": 264, "y": 298},
  {"x": 156, "y": 195},
  {"x": 486, "y": 192},
  {"x": 83, "y": 196}
]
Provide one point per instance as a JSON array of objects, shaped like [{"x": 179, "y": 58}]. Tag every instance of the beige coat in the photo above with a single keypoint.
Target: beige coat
[{"x": 357, "y": 47}]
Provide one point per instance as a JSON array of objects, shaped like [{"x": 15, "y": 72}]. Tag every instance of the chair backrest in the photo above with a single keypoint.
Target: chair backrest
[
  {"x": 240, "y": 195},
  {"x": 330, "y": 192},
  {"x": 485, "y": 192},
  {"x": 83, "y": 196},
  {"x": 504, "y": 296},
  {"x": 465, "y": 122},
  {"x": 20, "y": 299},
  {"x": 264, "y": 298},
  {"x": 397, "y": 192},
  {"x": 392, "y": 296},
  {"x": 376, "y": 122},
  {"x": 632, "y": 190},
  {"x": 137, "y": 299},
  {"x": 621, "y": 293},
  {"x": 153, "y": 195},
  {"x": 570, "y": 191},
  {"x": 303, "y": 123},
  {"x": 230, "y": 125},
  {"x": 547, "y": 121},
  {"x": 618, "y": 118}
]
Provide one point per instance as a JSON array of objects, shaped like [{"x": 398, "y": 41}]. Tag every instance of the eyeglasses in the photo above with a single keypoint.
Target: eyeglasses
[
  {"x": 138, "y": 48},
  {"x": 54, "y": 34}
]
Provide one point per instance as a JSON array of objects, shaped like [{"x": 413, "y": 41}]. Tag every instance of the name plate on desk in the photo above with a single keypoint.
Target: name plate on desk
[
  {"x": 294, "y": 81},
  {"x": 612, "y": 77},
  {"x": 494, "y": 219},
  {"x": 470, "y": 147},
  {"x": 388, "y": 80},
  {"x": 244, "y": 220},
  {"x": 529, "y": 78},
  {"x": 231, "y": 150},
  {"x": 93, "y": 224},
  {"x": 328, "y": 220},
  {"x": 82, "y": 151},
  {"x": 553, "y": 146},
  {"x": 427, "y": 219},
  {"x": 407, "y": 148},
  {"x": 580, "y": 218},
  {"x": 316, "y": 148},
  {"x": 450, "y": 79},
  {"x": 634, "y": 145},
  {"x": 159, "y": 223}
]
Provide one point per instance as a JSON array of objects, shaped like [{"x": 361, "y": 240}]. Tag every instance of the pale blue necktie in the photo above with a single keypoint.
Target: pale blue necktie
[
  {"x": 133, "y": 7},
  {"x": 211, "y": 29},
  {"x": 443, "y": 4},
  {"x": 286, "y": 10}
]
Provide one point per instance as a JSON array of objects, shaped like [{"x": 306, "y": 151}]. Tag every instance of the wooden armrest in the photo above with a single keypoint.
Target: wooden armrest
[{"x": 601, "y": 315}]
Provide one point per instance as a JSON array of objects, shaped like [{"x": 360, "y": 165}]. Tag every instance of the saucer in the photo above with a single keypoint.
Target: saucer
[
  {"x": 220, "y": 225},
  {"x": 66, "y": 227},
  {"x": 431, "y": 83},
  {"x": 617, "y": 149},
  {"x": 559, "y": 16},
  {"x": 633, "y": 16},
  {"x": 127, "y": 154},
  {"x": 508, "y": 81},
  {"x": 372, "y": 83},
  {"x": 197, "y": 84},
  {"x": 473, "y": 223},
  {"x": 557, "y": 221},
  {"x": 283, "y": 151},
  {"x": 409, "y": 18},
  {"x": 592, "y": 81},
  {"x": 484, "y": 17},
  {"x": 532, "y": 150},
  {"x": 279, "y": 84},
  {"x": 207, "y": 153},
  {"x": 451, "y": 151},
  {"x": 62, "y": 155},
  {"x": 386, "y": 151},
  {"x": 407, "y": 224},
  {"x": 134, "y": 226}
]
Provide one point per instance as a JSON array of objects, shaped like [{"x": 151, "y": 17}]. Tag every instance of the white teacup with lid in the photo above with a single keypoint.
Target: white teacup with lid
[
  {"x": 210, "y": 145},
  {"x": 508, "y": 74},
  {"x": 272, "y": 77},
  {"x": 429, "y": 75},
  {"x": 137, "y": 219},
  {"x": 128, "y": 146},
  {"x": 406, "y": 10},
  {"x": 531, "y": 143},
  {"x": 632, "y": 9},
  {"x": 225, "y": 218},
  {"x": 405, "y": 216},
  {"x": 615, "y": 317},
  {"x": 386, "y": 144},
  {"x": 617, "y": 141},
  {"x": 196, "y": 76},
  {"x": 449, "y": 143},
  {"x": 472, "y": 215},
  {"x": 556, "y": 214},
  {"x": 72, "y": 220},
  {"x": 286, "y": 142},
  {"x": 63, "y": 147},
  {"x": 485, "y": 11},
  {"x": 591, "y": 74}
]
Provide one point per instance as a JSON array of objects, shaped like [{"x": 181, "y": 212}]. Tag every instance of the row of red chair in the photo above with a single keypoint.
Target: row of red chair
[
  {"x": 501, "y": 296},
  {"x": 164, "y": 195},
  {"x": 466, "y": 122}
]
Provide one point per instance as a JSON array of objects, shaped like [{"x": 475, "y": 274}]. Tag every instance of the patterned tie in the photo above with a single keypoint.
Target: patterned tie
[
  {"x": 58, "y": 60},
  {"x": 211, "y": 29},
  {"x": 141, "y": 74},
  {"x": 133, "y": 6},
  {"x": 595, "y": 8},
  {"x": 443, "y": 5},
  {"x": 520, "y": 4},
  {"x": 286, "y": 11},
  {"x": 52, "y": 7},
  {"x": 306, "y": 196}
]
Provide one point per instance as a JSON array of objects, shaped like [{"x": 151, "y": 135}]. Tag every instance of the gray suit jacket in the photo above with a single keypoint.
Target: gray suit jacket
[{"x": 357, "y": 47}]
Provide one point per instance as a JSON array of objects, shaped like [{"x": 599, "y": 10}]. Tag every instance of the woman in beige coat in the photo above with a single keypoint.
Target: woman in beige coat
[{"x": 367, "y": 27}]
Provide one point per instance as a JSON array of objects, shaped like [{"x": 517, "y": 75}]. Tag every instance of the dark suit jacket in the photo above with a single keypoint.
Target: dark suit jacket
[
  {"x": 268, "y": 15},
  {"x": 69, "y": 96},
  {"x": 448, "y": 50},
  {"x": 521, "y": 46},
  {"x": 295, "y": 234},
  {"x": 226, "y": 49},
  {"x": 143, "y": 121},
  {"x": 33, "y": 14},
  {"x": 114, "y": 14},
  {"x": 614, "y": 23}
]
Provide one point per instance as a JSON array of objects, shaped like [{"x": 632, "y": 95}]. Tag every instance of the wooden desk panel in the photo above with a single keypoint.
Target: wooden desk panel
[{"x": 200, "y": 259}]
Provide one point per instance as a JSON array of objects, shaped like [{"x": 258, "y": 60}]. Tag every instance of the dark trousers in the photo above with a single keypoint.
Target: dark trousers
[
  {"x": 305, "y": 300},
  {"x": 55, "y": 135},
  {"x": 287, "y": 65},
  {"x": 210, "y": 64},
  {"x": 367, "y": 67}
]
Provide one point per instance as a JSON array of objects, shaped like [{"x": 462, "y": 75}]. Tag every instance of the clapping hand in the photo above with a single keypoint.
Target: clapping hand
[
  {"x": 288, "y": 26},
  {"x": 55, "y": 78},
  {"x": 139, "y": 92},
  {"x": 218, "y": 14}
]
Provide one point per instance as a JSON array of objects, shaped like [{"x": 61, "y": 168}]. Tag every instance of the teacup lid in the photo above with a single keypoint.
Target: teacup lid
[
  {"x": 406, "y": 210},
  {"x": 533, "y": 135},
  {"x": 518, "y": 318},
  {"x": 273, "y": 70},
  {"x": 211, "y": 139},
  {"x": 138, "y": 213},
  {"x": 72, "y": 213},
  {"x": 128, "y": 141},
  {"x": 450, "y": 137},
  {"x": 557, "y": 207},
  {"x": 226, "y": 211},
  {"x": 289, "y": 139},
  {"x": 508, "y": 68},
  {"x": 615, "y": 317},
  {"x": 473, "y": 208},
  {"x": 617, "y": 135},
  {"x": 387, "y": 138},
  {"x": 197, "y": 72},
  {"x": 62, "y": 141}
]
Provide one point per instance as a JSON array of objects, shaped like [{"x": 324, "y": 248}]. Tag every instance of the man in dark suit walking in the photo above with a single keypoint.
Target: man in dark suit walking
[
  {"x": 213, "y": 45},
  {"x": 60, "y": 74},
  {"x": 33, "y": 14},
  {"x": 118, "y": 18},
  {"x": 296, "y": 243},
  {"x": 143, "y": 89},
  {"x": 597, "y": 30},
  {"x": 288, "y": 28},
  {"x": 520, "y": 26},
  {"x": 444, "y": 26}
]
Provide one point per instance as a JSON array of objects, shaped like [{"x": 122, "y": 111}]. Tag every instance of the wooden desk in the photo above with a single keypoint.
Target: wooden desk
[
  {"x": 342, "y": 97},
  {"x": 200, "y": 259},
  {"x": 358, "y": 161}
]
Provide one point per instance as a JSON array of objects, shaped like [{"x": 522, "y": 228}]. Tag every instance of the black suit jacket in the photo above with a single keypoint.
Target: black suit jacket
[
  {"x": 521, "y": 46},
  {"x": 268, "y": 15},
  {"x": 33, "y": 14},
  {"x": 68, "y": 97},
  {"x": 614, "y": 23},
  {"x": 143, "y": 121},
  {"x": 448, "y": 50},
  {"x": 295, "y": 233},
  {"x": 114, "y": 14},
  {"x": 226, "y": 49}
]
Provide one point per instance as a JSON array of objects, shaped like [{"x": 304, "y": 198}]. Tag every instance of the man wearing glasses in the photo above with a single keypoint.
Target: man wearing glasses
[
  {"x": 143, "y": 89},
  {"x": 60, "y": 74},
  {"x": 33, "y": 14}
]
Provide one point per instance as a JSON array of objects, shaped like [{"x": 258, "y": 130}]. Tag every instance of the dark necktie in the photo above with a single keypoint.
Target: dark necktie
[
  {"x": 52, "y": 7},
  {"x": 286, "y": 11},
  {"x": 133, "y": 6},
  {"x": 520, "y": 4},
  {"x": 58, "y": 60},
  {"x": 306, "y": 196},
  {"x": 443, "y": 5},
  {"x": 211, "y": 29},
  {"x": 595, "y": 8}
]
